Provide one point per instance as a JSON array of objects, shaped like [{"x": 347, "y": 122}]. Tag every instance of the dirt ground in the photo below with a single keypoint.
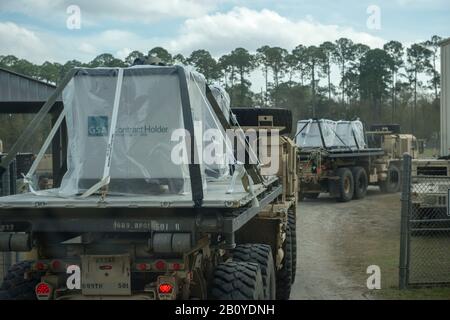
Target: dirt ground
[{"x": 338, "y": 241}]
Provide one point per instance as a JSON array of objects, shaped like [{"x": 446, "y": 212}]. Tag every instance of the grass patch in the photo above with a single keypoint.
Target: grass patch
[
  {"x": 429, "y": 153},
  {"x": 436, "y": 293}
]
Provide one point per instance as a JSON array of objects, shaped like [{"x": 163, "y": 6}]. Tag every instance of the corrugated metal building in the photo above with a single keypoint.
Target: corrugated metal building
[
  {"x": 445, "y": 97},
  {"x": 22, "y": 94}
]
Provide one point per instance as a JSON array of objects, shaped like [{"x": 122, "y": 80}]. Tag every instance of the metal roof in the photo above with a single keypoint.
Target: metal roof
[
  {"x": 444, "y": 42},
  {"x": 18, "y": 87},
  {"x": 22, "y": 94}
]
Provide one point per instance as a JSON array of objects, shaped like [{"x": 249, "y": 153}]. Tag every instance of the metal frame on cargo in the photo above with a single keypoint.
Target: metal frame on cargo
[
  {"x": 184, "y": 241},
  {"x": 13, "y": 207},
  {"x": 334, "y": 152}
]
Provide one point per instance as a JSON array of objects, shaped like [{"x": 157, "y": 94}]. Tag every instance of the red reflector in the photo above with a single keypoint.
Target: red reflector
[
  {"x": 43, "y": 289},
  {"x": 142, "y": 266},
  {"x": 165, "y": 288},
  {"x": 176, "y": 266},
  {"x": 160, "y": 265},
  {"x": 56, "y": 264},
  {"x": 40, "y": 265}
]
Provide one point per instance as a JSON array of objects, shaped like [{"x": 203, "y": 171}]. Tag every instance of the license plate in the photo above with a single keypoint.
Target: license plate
[{"x": 105, "y": 275}]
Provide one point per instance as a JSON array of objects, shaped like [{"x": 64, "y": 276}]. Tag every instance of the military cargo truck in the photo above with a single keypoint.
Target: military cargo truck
[
  {"x": 342, "y": 159},
  {"x": 140, "y": 213},
  {"x": 431, "y": 177}
]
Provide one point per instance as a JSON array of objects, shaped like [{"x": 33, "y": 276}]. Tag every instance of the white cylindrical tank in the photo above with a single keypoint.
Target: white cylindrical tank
[{"x": 445, "y": 97}]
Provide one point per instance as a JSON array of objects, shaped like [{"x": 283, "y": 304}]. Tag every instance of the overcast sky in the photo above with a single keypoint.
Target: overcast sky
[{"x": 37, "y": 29}]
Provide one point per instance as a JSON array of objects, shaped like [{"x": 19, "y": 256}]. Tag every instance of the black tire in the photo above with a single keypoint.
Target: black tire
[
  {"x": 361, "y": 182},
  {"x": 393, "y": 182},
  {"x": 284, "y": 275},
  {"x": 15, "y": 286},
  {"x": 345, "y": 185},
  {"x": 292, "y": 221},
  {"x": 262, "y": 255},
  {"x": 248, "y": 117},
  {"x": 237, "y": 281}
]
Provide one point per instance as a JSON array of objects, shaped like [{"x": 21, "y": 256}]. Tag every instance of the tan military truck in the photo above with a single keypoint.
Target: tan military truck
[
  {"x": 430, "y": 190},
  {"x": 342, "y": 159},
  {"x": 131, "y": 220},
  {"x": 430, "y": 183}
]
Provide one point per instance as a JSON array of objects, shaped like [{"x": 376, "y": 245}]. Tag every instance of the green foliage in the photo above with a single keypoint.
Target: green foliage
[
  {"x": 205, "y": 64},
  {"x": 376, "y": 85},
  {"x": 106, "y": 60},
  {"x": 374, "y": 78},
  {"x": 129, "y": 60},
  {"x": 162, "y": 54}
]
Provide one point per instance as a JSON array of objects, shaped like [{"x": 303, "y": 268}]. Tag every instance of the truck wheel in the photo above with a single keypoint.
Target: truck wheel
[
  {"x": 237, "y": 281},
  {"x": 15, "y": 286},
  {"x": 345, "y": 185},
  {"x": 284, "y": 275},
  {"x": 262, "y": 255},
  {"x": 292, "y": 221},
  {"x": 361, "y": 182},
  {"x": 393, "y": 182}
]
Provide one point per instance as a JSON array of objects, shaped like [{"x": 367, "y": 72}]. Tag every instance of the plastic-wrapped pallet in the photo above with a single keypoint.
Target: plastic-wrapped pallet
[
  {"x": 349, "y": 134},
  {"x": 336, "y": 134},
  {"x": 150, "y": 110},
  {"x": 309, "y": 137}
]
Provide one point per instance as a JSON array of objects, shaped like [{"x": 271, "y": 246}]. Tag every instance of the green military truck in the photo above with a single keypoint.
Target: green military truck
[
  {"x": 129, "y": 220},
  {"x": 342, "y": 159}
]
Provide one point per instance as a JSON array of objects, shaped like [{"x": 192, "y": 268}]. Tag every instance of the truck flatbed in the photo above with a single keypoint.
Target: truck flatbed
[
  {"x": 342, "y": 152},
  {"x": 216, "y": 197},
  {"x": 25, "y": 212}
]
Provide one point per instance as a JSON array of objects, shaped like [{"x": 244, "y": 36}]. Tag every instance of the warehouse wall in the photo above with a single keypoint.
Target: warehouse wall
[{"x": 445, "y": 98}]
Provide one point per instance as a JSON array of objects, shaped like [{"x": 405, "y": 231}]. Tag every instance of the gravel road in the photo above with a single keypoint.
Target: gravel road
[{"x": 331, "y": 239}]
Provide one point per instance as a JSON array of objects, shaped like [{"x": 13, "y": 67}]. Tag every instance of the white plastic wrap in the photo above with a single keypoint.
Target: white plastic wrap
[
  {"x": 150, "y": 110},
  {"x": 217, "y": 153},
  {"x": 351, "y": 134},
  {"x": 336, "y": 134},
  {"x": 309, "y": 137},
  {"x": 223, "y": 99}
]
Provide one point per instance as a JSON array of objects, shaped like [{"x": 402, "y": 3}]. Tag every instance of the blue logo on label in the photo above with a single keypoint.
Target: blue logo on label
[{"x": 97, "y": 126}]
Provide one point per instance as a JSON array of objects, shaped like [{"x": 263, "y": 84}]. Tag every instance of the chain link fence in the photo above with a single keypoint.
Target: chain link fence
[{"x": 425, "y": 234}]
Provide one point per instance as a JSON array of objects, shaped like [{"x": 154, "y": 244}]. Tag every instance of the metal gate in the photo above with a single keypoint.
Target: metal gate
[{"x": 425, "y": 229}]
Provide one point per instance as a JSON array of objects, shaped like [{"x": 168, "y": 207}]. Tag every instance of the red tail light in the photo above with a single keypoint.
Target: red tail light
[
  {"x": 176, "y": 266},
  {"x": 56, "y": 265},
  {"x": 40, "y": 266},
  {"x": 142, "y": 266},
  {"x": 160, "y": 265},
  {"x": 43, "y": 291},
  {"x": 165, "y": 288}
]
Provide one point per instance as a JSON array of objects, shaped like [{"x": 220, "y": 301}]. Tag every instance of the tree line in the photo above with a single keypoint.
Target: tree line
[{"x": 337, "y": 80}]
